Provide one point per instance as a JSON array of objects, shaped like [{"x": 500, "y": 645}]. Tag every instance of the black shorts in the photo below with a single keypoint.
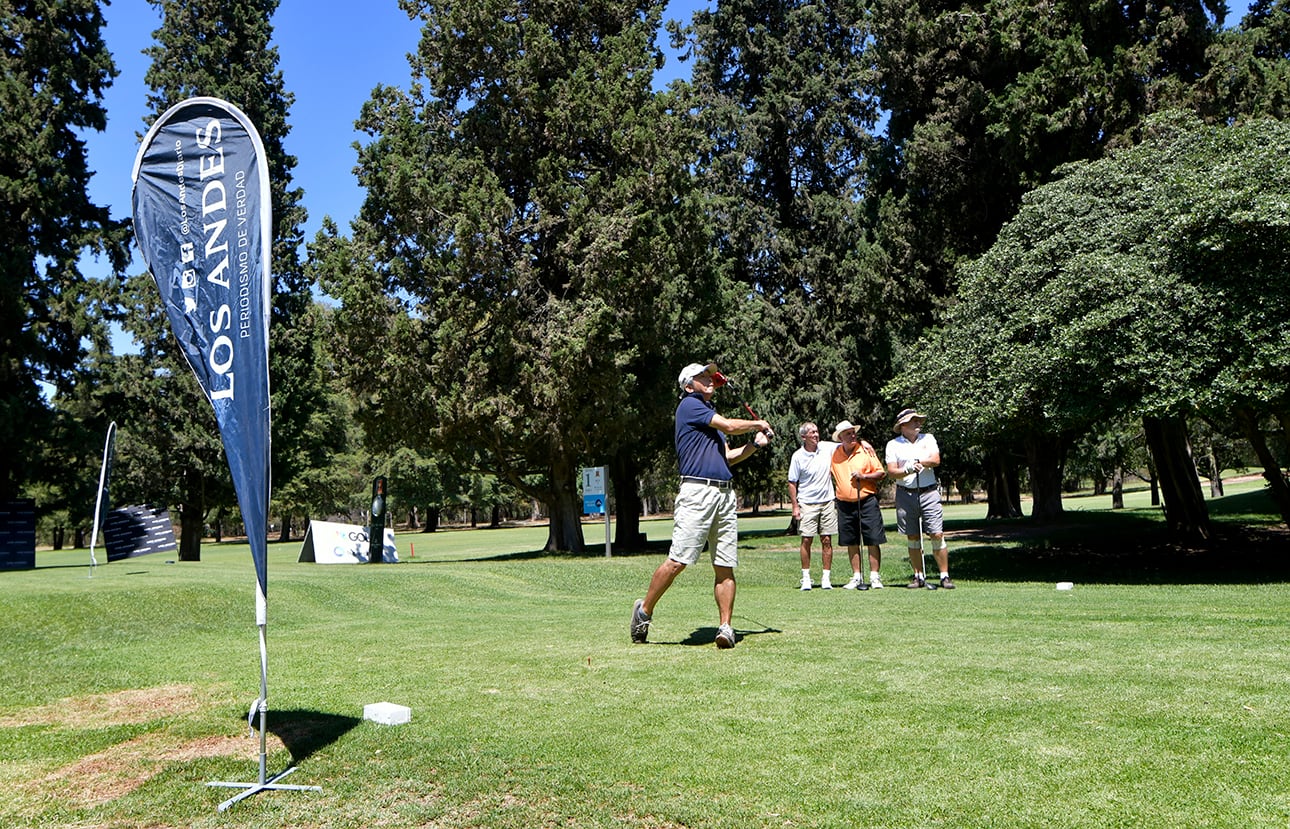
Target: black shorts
[{"x": 860, "y": 523}]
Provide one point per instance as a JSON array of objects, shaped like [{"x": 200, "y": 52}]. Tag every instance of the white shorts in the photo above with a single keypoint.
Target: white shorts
[
  {"x": 818, "y": 519},
  {"x": 705, "y": 514}
]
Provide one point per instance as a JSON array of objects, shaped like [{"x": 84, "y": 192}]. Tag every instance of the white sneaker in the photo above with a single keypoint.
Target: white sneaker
[
  {"x": 875, "y": 582},
  {"x": 855, "y": 582},
  {"x": 806, "y": 583},
  {"x": 825, "y": 584}
]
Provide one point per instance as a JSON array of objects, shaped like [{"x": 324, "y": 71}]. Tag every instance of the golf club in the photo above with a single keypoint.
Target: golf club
[
  {"x": 719, "y": 380},
  {"x": 928, "y": 583}
]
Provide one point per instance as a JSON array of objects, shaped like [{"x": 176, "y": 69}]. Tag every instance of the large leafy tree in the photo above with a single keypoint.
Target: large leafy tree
[
  {"x": 223, "y": 49},
  {"x": 782, "y": 95},
  {"x": 54, "y": 69},
  {"x": 1154, "y": 288},
  {"x": 530, "y": 235},
  {"x": 987, "y": 99}
]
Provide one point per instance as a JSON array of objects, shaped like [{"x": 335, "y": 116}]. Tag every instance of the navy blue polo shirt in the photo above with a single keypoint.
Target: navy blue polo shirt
[{"x": 700, "y": 448}]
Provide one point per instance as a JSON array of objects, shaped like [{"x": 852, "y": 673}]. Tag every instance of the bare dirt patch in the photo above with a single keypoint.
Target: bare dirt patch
[
  {"x": 118, "y": 708},
  {"x": 119, "y": 770}
]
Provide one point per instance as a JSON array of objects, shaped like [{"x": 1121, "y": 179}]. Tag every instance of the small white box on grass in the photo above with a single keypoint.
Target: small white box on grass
[
  {"x": 1065, "y": 585},
  {"x": 387, "y": 713}
]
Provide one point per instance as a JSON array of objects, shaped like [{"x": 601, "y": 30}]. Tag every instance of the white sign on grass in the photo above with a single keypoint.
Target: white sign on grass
[{"x": 331, "y": 543}]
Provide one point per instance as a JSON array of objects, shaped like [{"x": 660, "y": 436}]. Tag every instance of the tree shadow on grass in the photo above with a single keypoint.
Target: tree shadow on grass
[
  {"x": 1132, "y": 547},
  {"x": 306, "y": 732},
  {"x": 649, "y": 548},
  {"x": 594, "y": 549}
]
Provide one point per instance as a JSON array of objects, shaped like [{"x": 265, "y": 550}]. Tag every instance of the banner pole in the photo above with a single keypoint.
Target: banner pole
[
  {"x": 100, "y": 499},
  {"x": 265, "y": 782},
  {"x": 264, "y": 704}
]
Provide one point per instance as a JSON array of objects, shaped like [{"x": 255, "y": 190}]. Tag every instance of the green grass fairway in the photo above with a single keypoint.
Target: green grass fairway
[{"x": 1151, "y": 695}]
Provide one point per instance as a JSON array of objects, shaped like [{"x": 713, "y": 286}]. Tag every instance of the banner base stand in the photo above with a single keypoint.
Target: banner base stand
[{"x": 256, "y": 788}]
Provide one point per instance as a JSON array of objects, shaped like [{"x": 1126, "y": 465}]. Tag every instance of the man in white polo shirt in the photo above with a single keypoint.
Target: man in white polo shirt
[
  {"x": 912, "y": 456},
  {"x": 810, "y": 490}
]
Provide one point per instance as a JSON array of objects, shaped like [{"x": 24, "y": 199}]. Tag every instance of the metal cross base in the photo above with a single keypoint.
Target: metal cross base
[{"x": 255, "y": 788}]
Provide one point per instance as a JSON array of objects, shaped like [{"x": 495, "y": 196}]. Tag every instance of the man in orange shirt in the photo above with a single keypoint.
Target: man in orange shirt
[{"x": 856, "y": 475}]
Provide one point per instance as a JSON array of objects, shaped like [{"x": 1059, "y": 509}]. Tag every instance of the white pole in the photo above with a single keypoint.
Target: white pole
[
  {"x": 608, "y": 549},
  {"x": 98, "y": 500}
]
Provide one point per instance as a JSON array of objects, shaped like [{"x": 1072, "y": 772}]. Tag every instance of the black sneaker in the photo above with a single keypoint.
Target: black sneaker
[{"x": 640, "y": 622}]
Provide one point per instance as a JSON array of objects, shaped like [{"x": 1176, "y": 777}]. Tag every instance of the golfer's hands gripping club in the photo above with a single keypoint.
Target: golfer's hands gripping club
[{"x": 763, "y": 428}]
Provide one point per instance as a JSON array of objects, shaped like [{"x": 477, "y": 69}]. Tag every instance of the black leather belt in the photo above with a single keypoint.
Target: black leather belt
[
  {"x": 708, "y": 482},
  {"x": 919, "y": 489}
]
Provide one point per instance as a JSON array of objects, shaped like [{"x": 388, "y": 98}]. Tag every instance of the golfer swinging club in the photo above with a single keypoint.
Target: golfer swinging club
[
  {"x": 910, "y": 457},
  {"x": 705, "y": 506}
]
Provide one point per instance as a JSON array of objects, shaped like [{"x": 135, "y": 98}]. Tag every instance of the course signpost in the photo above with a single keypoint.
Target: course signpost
[{"x": 594, "y": 500}]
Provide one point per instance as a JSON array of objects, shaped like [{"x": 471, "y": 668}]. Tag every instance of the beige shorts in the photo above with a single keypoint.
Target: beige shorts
[
  {"x": 702, "y": 515},
  {"x": 818, "y": 519}
]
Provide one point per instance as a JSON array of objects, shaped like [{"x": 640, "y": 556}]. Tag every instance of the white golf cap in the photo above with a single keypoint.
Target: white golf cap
[
  {"x": 694, "y": 370},
  {"x": 844, "y": 426}
]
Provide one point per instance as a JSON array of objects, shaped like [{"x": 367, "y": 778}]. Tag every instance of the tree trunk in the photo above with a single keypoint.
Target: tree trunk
[
  {"x": 1185, "y": 512},
  {"x": 59, "y": 533},
  {"x": 285, "y": 535},
  {"x": 1045, "y": 457},
  {"x": 80, "y": 538},
  {"x": 1249, "y": 423},
  {"x": 565, "y": 534},
  {"x": 1002, "y": 489},
  {"x": 1155, "y": 483},
  {"x": 1117, "y": 488},
  {"x": 624, "y": 472},
  {"x": 192, "y": 512}
]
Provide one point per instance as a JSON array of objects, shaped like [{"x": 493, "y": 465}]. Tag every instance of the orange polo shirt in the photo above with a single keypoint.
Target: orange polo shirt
[{"x": 864, "y": 461}]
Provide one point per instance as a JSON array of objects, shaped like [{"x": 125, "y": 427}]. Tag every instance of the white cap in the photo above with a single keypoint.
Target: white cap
[
  {"x": 694, "y": 370},
  {"x": 844, "y": 426}
]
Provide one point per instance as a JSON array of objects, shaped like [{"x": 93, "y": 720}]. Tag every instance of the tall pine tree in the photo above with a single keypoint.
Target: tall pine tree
[
  {"x": 782, "y": 93},
  {"x": 529, "y": 206},
  {"x": 223, "y": 49},
  {"x": 54, "y": 69}
]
